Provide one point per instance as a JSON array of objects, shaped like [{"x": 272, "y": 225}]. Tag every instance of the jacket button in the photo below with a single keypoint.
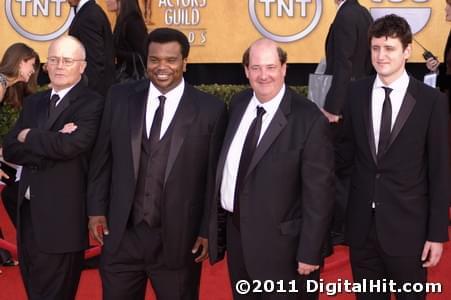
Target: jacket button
[{"x": 378, "y": 175}]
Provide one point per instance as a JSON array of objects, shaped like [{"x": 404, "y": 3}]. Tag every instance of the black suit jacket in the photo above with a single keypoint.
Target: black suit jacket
[
  {"x": 347, "y": 52},
  {"x": 55, "y": 165},
  {"x": 287, "y": 197},
  {"x": 199, "y": 125},
  {"x": 409, "y": 182},
  {"x": 92, "y": 28}
]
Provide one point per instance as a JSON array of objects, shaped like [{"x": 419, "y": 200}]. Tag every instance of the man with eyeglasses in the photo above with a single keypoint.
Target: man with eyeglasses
[{"x": 52, "y": 139}]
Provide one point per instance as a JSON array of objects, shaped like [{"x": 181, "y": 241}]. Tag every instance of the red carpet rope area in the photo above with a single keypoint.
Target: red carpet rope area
[{"x": 215, "y": 283}]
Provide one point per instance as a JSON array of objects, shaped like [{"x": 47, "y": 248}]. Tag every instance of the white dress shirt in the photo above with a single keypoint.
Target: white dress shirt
[
  {"x": 232, "y": 162},
  {"x": 397, "y": 95},
  {"x": 173, "y": 98},
  {"x": 80, "y": 5}
]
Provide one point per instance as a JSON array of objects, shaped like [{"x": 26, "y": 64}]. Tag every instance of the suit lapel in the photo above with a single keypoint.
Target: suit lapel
[
  {"x": 137, "y": 113},
  {"x": 42, "y": 109},
  {"x": 404, "y": 112},
  {"x": 184, "y": 116},
  {"x": 70, "y": 97},
  {"x": 368, "y": 118},
  {"x": 278, "y": 122},
  {"x": 234, "y": 122}
]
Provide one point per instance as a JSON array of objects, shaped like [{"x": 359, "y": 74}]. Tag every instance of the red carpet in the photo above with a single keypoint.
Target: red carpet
[{"x": 215, "y": 283}]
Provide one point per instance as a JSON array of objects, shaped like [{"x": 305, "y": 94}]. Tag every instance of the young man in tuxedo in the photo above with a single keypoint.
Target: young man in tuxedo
[
  {"x": 396, "y": 151},
  {"x": 274, "y": 182},
  {"x": 91, "y": 26},
  {"x": 52, "y": 140},
  {"x": 151, "y": 177}
]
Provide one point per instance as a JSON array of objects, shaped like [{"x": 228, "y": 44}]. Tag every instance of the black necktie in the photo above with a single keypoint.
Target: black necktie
[
  {"x": 250, "y": 144},
  {"x": 384, "y": 133},
  {"x": 155, "y": 130},
  {"x": 53, "y": 100}
]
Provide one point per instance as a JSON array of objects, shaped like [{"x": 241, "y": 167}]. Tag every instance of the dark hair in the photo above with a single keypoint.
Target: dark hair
[
  {"x": 127, "y": 8},
  {"x": 448, "y": 1},
  {"x": 392, "y": 26},
  {"x": 9, "y": 66},
  {"x": 281, "y": 53},
  {"x": 166, "y": 35}
]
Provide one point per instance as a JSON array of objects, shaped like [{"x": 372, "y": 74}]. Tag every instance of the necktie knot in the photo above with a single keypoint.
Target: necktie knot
[
  {"x": 162, "y": 100},
  {"x": 54, "y": 99},
  {"x": 387, "y": 91},
  {"x": 260, "y": 111}
]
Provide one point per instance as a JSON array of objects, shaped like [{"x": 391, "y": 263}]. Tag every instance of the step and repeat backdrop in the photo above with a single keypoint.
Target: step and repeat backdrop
[{"x": 220, "y": 30}]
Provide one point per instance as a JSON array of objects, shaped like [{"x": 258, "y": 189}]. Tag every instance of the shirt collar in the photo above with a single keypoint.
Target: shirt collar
[
  {"x": 176, "y": 92},
  {"x": 340, "y": 4},
  {"x": 401, "y": 83},
  {"x": 271, "y": 105},
  {"x": 63, "y": 92}
]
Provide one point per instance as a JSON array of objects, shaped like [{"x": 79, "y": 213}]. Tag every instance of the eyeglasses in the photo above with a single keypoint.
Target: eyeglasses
[{"x": 67, "y": 61}]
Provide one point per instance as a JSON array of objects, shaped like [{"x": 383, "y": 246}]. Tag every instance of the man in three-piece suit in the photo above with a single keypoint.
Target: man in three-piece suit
[
  {"x": 152, "y": 176},
  {"x": 52, "y": 139},
  {"x": 396, "y": 150},
  {"x": 91, "y": 26},
  {"x": 347, "y": 59},
  {"x": 274, "y": 181}
]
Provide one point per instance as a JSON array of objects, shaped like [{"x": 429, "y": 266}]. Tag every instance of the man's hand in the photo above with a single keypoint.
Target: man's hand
[
  {"x": 305, "y": 269},
  {"x": 98, "y": 227},
  {"x": 22, "y": 136},
  {"x": 68, "y": 128},
  {"x": 3, "y": 174},
  {"x": 203, "y": 244},
  {"x": 432, "y": 64},
  {"x": 432, "y": 252},
  {"x": 331, "y": 117}
]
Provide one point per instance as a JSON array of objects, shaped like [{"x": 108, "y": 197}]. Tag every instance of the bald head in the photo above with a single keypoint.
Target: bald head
[
  {"x": 268, "y": 45},
  {"x": 66, "y": 43},
  {"x": 66, "y": 62}
]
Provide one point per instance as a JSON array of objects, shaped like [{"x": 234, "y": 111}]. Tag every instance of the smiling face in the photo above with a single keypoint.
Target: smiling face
[
  {"x": 165, "y": 65},
  {"x": 389, "y": 57},
  {"x": 265, "y": 72},
  {"x": 26, "y": 69}
]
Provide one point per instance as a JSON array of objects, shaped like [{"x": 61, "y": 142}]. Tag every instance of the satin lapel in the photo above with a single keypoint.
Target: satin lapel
[
  {"x": 234, "y": 122},
  {"x": 183, "y": 118},
  {"x": 42, "y": 109},
  {"x": 406, "y": 109},
  {"x": 278, "y": 122},
  {"x": 368, "y": 119},
  {"x": 136, "y": 115},
  {"x": 70, "y": 97}
]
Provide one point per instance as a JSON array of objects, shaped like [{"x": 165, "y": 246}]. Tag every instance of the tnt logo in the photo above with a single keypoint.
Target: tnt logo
[
  {"x": 27, "y": 17},
  {"x": 299, "y": 18},
  {"x": 417, "y": 15}
]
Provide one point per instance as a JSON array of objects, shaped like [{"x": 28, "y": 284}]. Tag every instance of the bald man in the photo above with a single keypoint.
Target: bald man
[
  {"x": 274, "y": 182},
  {"x": 52, "y": 139}
]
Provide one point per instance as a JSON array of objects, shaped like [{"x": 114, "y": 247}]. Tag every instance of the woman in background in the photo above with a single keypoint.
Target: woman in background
[
  {"x": 444, "y": 70},
  {"x": 18, "y": 79},
  {"x": 130, "y": 34}
]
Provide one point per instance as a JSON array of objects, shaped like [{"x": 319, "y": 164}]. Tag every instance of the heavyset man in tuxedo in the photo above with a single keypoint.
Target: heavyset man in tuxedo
[
  {"x": 152, "y": 175},
  {"x": 52, "y": 139},
  {"x": 91, "y": 26},
  {"x": 396, "y": 151},
  {"x": 274, "y": 182}
]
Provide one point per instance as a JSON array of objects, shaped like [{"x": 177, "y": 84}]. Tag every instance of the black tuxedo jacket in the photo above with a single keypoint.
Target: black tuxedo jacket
[
  {"x": 92, "y": 28},
  {"x": 199, "y": 125},
  {"x": 409, "y": 181},
  {"x": 55, "y": 165},
  {"x": 347, "y": 52},
  {"x": 287, "y": 197}
]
